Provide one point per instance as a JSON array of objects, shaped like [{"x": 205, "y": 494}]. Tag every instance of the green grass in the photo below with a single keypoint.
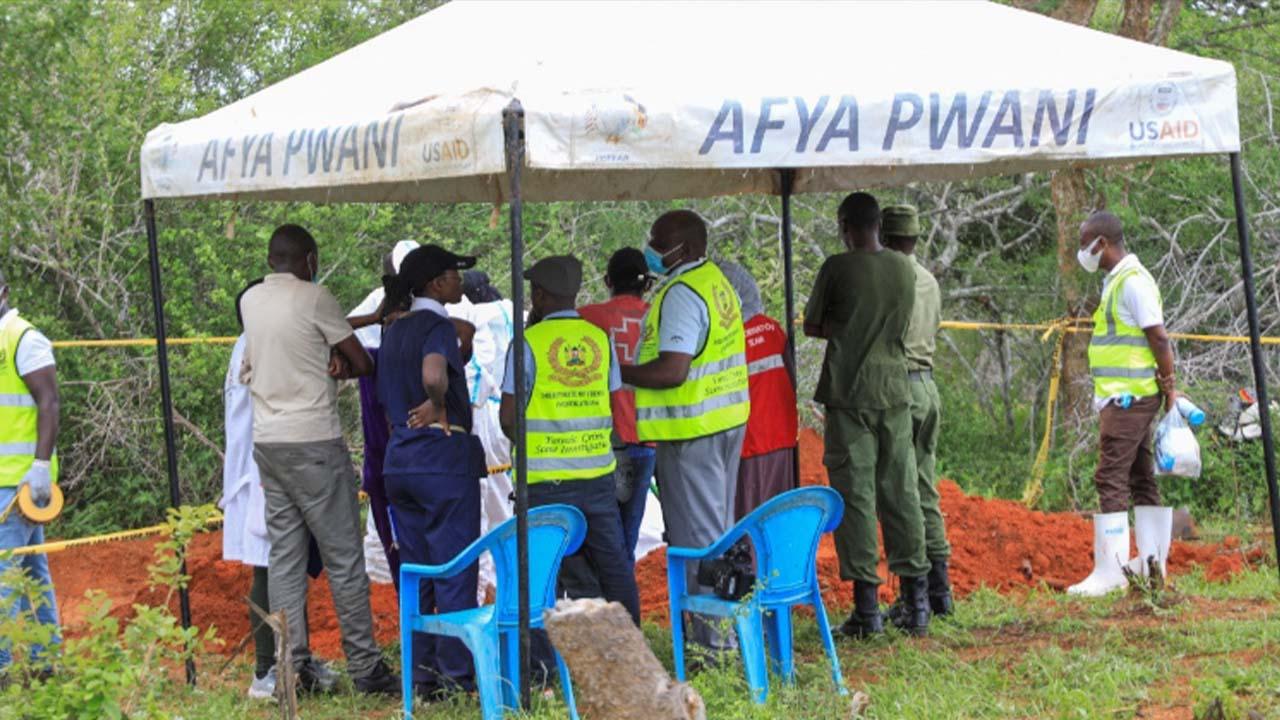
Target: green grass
[{"x": 1041, "y": 655}]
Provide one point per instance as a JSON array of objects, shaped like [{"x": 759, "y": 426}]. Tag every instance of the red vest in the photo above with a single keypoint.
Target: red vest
[
  {"x": 774, "y": 423},
  {"x": 622, "y": 317}
]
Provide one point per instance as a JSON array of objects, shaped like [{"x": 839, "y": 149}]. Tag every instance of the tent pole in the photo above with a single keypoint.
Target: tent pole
[
  {"x": 788, "y": 183},
  {"x": 1255, "y": 348},
  {"x": 513, "y": 121},
  {"x": 166, "y": 399}
]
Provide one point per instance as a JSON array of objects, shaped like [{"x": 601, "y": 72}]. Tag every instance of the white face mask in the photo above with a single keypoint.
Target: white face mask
[{"x": 1087, "y": 258}]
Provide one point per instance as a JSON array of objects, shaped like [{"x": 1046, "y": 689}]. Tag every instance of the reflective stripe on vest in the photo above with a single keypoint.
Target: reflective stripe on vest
[
  {"x": 773, "y": 424},
  {"x": 569, "y": 418},
  {"x": 765, "y": 364},
  {"x": 714, "y": 395},
  {"x": 1120, "y": 359},
  {"x": 19, "y": 416}
]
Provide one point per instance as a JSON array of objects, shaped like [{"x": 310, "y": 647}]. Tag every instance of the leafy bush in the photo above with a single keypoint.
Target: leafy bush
[{"x": 105, "y": 671}]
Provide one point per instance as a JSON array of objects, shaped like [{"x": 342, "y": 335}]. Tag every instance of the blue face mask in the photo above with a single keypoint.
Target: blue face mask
[{"x": 656, "y": 260}]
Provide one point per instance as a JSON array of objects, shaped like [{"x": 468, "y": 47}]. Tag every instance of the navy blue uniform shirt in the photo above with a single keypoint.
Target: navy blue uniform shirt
[{"x": 425, "y": 451}]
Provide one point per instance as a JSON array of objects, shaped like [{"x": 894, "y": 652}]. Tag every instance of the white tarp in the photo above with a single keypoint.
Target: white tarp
[{"x": 708, "y": 98}]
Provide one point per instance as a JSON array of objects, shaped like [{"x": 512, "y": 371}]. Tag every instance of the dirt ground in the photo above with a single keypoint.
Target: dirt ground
[{"x": 995, "y": 543}]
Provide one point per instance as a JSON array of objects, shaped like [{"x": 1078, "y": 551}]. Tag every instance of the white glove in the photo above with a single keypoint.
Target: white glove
[{"x": 39, "y": 480}]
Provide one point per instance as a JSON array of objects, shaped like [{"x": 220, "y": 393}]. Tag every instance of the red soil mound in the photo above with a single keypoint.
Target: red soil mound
[
  {"x": 996, "y": 543},
  {"x": 218, "y": 591}
]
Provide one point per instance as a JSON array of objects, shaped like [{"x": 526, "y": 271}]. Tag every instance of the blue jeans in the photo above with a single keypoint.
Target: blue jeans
[
  {"x": 643, "y": 459},
  {"x": 601, "y": 567},
  {"x": 16, "y": 532}
]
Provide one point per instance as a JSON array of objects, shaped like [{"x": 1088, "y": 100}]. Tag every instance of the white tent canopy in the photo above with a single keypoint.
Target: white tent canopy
[
  {"x": 702, "y": 98},
  {"x": 708, "y": 98}
]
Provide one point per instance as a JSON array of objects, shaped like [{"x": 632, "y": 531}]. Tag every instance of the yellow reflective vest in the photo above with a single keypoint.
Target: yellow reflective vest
[
  {"x": 1120, "y": 359},
  {"x": 568, "y": 420},
  {"x": 714, "y": 396},
  {"x": 18, "y": 413}
]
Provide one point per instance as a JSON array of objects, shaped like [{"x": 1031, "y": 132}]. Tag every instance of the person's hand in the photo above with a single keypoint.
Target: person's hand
[
  {"x": 466, "y": 337},
  {"x": 428, "y": 414},
  {"x": 339, "y": 368},
  {"x": 1166, "y": 384},
  {"x": 466, "y": 330},
  {"x": 39, "y": 479}
]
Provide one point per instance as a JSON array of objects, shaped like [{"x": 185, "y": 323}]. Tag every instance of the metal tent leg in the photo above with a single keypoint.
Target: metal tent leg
[
  {"x": 788, "y": 183},
  {"x": 513, "y": 125},
  {"x": 166, "y": 399},
  {"x": 1255, "y": 348}
]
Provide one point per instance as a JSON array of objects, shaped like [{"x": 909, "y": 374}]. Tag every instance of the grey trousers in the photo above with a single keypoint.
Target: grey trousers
[
  {"x": 310, "y": 490},
  {"x": 697, "y": 481}
]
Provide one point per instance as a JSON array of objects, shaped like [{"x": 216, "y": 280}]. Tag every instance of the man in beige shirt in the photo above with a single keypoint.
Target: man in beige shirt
[{"x": 298, "y": 344}]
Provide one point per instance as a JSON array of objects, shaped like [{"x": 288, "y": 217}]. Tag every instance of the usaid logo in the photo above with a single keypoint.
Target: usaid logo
[{"x": 1163, "y": 98}]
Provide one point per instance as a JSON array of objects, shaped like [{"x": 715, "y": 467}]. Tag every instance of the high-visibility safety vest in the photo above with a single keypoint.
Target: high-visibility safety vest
[
  {"x": 774, "y": 422},
  {"x": 1120, "y": 359},
  {"x": 568, "y": 420},
  {"x": 18, "y": 413},
  {"x": 714, "y": 396}
]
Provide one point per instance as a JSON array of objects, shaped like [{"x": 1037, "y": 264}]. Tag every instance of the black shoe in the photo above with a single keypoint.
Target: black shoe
[
  {"x": 378, "y": 681},
  {"x": 913, "y": 597},
  {"x": 430, "y": 693},
  {"x": 866, "y": 620},
  {"x": 940, "y": 602},
  {"x": 896, "y": 612},
  {"x": 316, "y": 677}
]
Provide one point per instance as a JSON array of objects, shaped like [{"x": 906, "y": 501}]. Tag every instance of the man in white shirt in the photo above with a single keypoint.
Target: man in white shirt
[
  {"x": 29, "y": 407},
  {"x": 298, "y": 341},
  {"x": 1131, "y": 361}
]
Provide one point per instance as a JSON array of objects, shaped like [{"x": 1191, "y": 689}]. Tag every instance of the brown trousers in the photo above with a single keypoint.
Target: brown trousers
[{"x": 1126, "y": 465}]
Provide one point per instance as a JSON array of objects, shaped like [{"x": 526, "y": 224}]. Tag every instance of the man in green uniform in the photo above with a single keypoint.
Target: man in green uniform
[
  {"x": 861, "y": 304},
  {"x": 900, "y": 226}
]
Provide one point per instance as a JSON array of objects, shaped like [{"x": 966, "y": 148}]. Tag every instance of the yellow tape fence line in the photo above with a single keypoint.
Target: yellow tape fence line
[
  {"x": 60, "y": 545},
  {"x": 142, "y": 342},
  {"x": 1060, "y": 328},
  {"x": 1032, "y": 492}
]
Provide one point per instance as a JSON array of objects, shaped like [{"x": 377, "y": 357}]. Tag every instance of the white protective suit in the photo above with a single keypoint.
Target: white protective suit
[{"x": 244, "y": 525}]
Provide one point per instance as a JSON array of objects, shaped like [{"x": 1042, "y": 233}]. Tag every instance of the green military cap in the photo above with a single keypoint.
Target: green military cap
[{"x": 900, "y": 221}]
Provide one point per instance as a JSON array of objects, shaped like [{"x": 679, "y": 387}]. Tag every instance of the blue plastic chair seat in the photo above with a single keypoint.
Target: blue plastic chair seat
[
  {"x": 491, "y": 632},
  {"x": 448, "y": 623},
  {"x": 785, "y": 532}
]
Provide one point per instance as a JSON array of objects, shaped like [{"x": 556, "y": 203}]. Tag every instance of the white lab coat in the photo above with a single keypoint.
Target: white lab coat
[{"x": 244, "y": 511}]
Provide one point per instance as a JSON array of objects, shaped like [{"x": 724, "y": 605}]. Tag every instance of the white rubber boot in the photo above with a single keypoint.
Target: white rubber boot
[
  {"x": 1153, "y": 534},
  {"x": 1110, "y": 554}
]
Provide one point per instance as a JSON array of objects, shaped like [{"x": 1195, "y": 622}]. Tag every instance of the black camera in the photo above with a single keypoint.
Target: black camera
[{"x": 732, "y": 575}]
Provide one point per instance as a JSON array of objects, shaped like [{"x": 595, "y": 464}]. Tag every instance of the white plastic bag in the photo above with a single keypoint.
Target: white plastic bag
[{"x": 1177, "y": 452}]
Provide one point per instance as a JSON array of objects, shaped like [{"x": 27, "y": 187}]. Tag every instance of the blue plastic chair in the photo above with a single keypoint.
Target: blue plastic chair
[
  {"x": 785, "y": 532},
  {"x": 491, "y": 632}
]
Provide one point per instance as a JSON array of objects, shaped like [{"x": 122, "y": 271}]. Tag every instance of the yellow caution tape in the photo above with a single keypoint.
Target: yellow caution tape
[
  {"x": 60, "y": 545},
  {"x": 1085, "y": 325},
  {"x": 1031, "y": 493},
  {"x": 141, "y": 342},
  {"x": 1077, "y": 325}
]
